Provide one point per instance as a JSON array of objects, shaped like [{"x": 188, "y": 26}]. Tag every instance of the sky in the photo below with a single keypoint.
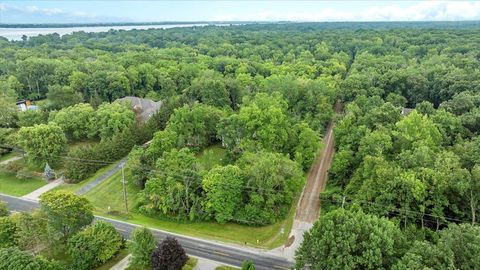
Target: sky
[{"x": 68, "y": 11}]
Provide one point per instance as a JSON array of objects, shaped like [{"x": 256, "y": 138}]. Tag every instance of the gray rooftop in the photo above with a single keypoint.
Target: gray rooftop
[{"x": 144, "y": 108}]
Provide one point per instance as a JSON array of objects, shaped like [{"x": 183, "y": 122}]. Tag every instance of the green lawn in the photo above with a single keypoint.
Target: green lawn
[
  {"x": 191, "y": 263},
  {"x": 211, "y": 156},
  {"x": 11, "y": 185},
  {"x": 109, "y": 193}
]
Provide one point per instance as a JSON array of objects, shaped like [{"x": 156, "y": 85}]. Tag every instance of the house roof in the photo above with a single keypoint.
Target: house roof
[
  {"x": 144, "y": 108},
  {"x": 406, "y": 111}
]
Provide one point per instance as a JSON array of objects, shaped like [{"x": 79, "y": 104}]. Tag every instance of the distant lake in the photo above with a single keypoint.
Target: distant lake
[{"x": 17, "y": 33}]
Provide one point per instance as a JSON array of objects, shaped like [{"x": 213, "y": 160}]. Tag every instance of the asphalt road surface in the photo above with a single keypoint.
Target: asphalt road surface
[{"x": 218, "y": 252}]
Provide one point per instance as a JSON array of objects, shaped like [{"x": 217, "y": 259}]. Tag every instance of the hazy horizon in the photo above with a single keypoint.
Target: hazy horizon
[{"x": 85, "y": 12}]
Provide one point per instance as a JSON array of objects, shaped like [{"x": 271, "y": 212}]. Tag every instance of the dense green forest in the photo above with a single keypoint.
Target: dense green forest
[{"x": 404, "y": 187}]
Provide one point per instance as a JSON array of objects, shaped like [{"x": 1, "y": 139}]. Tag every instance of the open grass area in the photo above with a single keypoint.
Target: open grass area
[
  {"x": 75, "y": 187},
  {"x": 108, "y": 197},
  {"x": 268, "y": 237},
  {"x": 11, "y": 185},
  {"x": 211, "y": 156}
]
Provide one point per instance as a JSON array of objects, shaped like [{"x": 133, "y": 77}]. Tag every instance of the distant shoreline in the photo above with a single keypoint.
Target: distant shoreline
[
  {"x": 330, "y": 23},
  {"x": 70, "y": 25}
]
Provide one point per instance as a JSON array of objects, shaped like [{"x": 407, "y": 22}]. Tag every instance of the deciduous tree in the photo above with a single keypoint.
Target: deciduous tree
[
  {"x": 94, "y": 246},
  {"x": 169, "y": 255},
  {"x": 223, "y": 187},
  {"x": 66, "y": 213},
  {"x": 344, "y": 239},
  {"x": 42, "y": 143}
]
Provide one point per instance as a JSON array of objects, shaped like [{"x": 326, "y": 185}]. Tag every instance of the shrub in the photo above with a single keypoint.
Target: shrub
[
  {"x": 7, "y": 232},
  {"x": 3, "y": 209},
  {"x": 94, "y": 246}
]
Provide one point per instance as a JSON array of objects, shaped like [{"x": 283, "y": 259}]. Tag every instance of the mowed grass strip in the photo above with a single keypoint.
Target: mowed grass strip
[{"x": 11, "y": 185}]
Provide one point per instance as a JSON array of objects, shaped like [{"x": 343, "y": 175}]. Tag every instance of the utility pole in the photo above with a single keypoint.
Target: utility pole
[{"x": 124, "y": 188}]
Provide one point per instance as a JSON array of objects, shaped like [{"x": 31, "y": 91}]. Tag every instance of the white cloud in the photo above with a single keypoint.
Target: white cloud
[
  {"x": 35, "y": 9},
  {"x": 33, "y": 14},
  {"x": 423, "y": 11}
]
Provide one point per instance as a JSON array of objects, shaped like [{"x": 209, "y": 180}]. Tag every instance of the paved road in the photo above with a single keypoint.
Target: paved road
[
  {"x": 218, "y": 252},
  {"x": 86, "y": 188}
]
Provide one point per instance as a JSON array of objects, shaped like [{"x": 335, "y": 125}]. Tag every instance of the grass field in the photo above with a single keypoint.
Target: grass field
[
  {"x": 109, "y": 193},
  {"x": 191, "y": 263},
  {"x": 11, "y": 185}
]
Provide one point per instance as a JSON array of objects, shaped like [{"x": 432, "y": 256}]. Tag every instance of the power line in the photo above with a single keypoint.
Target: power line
[{"x": 388, "y": 208}]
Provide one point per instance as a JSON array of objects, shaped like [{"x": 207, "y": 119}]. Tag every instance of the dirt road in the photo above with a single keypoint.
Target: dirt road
[{"x": 309, "y": 206}]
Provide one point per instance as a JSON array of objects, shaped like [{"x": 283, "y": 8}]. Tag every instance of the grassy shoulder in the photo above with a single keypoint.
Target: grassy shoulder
[{"x": 11, "y": 185}]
